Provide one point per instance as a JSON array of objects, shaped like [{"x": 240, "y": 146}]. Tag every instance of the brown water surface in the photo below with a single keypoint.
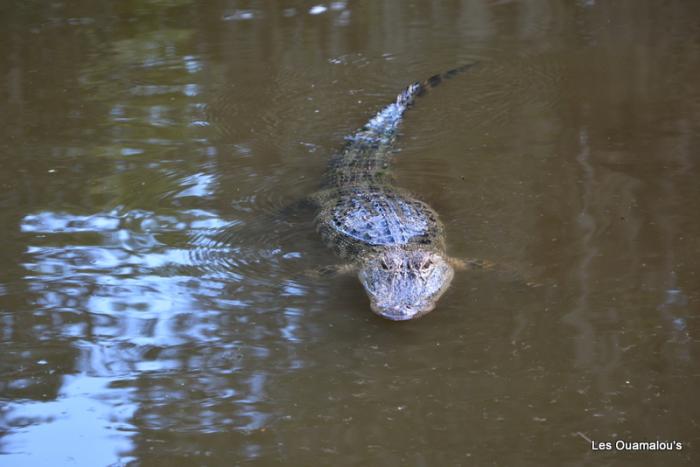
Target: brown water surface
[{"x": 152, "y": 306}]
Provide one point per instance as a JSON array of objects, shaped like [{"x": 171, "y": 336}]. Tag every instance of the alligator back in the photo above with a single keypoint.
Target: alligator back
[
  {"x": 367, "y": 218},
  {"x": 360, "y": 209}
]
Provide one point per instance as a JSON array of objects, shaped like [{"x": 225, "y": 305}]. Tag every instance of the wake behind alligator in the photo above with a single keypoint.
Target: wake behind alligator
[{"x": 394, "y": 242}]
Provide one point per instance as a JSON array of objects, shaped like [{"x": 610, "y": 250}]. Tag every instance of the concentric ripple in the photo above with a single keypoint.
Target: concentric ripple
[
  {"x": 261, "y": 253},
  {"x": 278, "y": 101},
  {"x": 281, "y": 148}
]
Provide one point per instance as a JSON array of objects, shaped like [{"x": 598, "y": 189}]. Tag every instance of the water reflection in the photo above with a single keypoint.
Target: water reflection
[
  {"x": 44, "y": 432},
  {"x": 131, "y": 304}
]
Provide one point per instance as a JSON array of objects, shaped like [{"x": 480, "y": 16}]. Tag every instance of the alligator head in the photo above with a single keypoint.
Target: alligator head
[{"x": 404, "y": 284}]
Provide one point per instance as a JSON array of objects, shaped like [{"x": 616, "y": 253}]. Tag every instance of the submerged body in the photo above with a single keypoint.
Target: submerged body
[{"x": 393, "y": 241}]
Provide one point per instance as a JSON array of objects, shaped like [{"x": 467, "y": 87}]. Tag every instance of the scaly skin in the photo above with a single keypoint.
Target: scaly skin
[{"x": 392, "y": 240}]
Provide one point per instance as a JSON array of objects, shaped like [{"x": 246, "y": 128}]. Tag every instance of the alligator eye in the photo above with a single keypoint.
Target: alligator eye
[{"x": 426, "y": 265}]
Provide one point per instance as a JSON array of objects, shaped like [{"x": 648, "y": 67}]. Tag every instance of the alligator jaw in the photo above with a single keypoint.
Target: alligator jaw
[{"x": 401, "y": 314}]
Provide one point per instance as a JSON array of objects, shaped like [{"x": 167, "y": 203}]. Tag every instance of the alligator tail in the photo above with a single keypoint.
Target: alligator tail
[
  {"x": 365, "y": 156},
  {"x": 418, "y": 89},
  {"x": 381, "y": 129}
]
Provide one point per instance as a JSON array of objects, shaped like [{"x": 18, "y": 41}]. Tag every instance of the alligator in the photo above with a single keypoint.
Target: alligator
[{"x": 394, "y": 242}]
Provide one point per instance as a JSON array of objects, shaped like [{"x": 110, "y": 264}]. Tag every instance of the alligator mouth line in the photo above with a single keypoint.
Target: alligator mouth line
[{"x": 398, "y": 314}]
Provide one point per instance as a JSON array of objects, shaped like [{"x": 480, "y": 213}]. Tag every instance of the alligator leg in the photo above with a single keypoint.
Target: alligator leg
[
  {"x": 467, "y": 264},
  {"x": 333, "y": 270},
  {"x": 470, "y": 264},
  {"x": 298, "y": 211}
]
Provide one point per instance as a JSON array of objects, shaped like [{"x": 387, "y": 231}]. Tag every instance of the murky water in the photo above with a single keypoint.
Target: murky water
[{"x": 153, "y": 309}]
